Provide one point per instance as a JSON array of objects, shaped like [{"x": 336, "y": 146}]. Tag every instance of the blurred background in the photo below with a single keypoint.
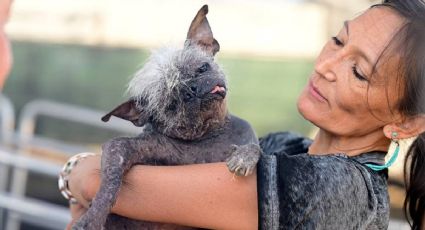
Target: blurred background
[{"x": 73, "y": 59}]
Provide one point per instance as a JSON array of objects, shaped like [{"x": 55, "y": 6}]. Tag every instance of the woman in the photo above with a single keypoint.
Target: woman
[{"x": 366, "y": 91}]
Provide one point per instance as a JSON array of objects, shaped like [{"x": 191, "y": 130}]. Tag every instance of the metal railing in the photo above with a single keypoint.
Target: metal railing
[
  {"x": 7, "y": 121},
  {"x": 34, "y": 211},
  {"x": 7, "y": 113},
  {"x": 20, "y": 207}
]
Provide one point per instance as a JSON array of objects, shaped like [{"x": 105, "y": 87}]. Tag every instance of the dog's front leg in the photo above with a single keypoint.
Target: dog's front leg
[
  {"x": 118, "y": 155},
  {"x": 243, "y": 159}
]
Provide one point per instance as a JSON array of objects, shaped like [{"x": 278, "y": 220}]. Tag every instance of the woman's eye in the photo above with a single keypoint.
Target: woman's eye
[
  {"x": 203, "y": 68},
  {"x": 337, "y": 41},
  {"x": 357, "y": 74}
]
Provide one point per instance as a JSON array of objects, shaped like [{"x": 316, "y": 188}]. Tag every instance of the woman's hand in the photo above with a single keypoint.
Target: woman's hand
[
  {"x": 77, "y": 210},
  {"x": 83, "y": 184},
  {"x": 84, "y": 179},
  {"x": 201, "y": 195}
]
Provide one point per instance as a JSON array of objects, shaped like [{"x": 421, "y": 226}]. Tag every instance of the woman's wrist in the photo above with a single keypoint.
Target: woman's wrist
[{"x": 83, "y": 179}]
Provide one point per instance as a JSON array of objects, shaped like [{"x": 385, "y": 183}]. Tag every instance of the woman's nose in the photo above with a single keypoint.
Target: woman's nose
[{"x": 327, "y": 64}]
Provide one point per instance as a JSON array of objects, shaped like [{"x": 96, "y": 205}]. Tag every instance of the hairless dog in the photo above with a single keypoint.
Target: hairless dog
[{"x": 178, "y": 98}]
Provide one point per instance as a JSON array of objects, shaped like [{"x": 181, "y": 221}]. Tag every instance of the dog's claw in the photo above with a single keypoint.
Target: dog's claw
[{"x": 243, "y": 159}]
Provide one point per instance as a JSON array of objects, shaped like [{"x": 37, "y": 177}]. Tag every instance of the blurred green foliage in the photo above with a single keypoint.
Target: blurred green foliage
[{"x": 262, "y": 91}]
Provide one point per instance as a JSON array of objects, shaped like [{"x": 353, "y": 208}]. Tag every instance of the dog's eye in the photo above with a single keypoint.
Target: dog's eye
[
  {"x": 204, "y": 67},
  {"x": 188, "y": 96}
]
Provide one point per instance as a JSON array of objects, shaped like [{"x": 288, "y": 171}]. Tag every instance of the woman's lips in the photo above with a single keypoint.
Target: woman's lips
[{"x": 315, "y": 92}]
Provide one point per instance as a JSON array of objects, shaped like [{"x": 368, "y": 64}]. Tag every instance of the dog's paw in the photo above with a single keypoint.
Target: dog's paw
[{"x": 243, "y": 159}]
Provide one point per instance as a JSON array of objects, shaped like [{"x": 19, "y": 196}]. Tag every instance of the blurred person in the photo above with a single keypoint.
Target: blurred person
[
  {"x": 5, "y": 54},
  {"x": 365, "y": 94}
]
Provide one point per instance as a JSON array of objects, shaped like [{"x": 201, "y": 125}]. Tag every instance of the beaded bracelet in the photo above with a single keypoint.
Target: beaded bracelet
[{"x": 63, "y": 181}]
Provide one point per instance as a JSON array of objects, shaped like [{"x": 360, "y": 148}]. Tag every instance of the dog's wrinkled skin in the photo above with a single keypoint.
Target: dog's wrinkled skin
[{"x": 179, "y": 99}]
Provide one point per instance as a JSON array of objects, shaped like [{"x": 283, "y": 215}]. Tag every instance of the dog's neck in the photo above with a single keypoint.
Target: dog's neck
[{"x": 207, "y": 130}]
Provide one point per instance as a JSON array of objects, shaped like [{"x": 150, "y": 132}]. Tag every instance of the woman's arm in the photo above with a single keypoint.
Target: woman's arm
[{"x": 203, "y": 195}]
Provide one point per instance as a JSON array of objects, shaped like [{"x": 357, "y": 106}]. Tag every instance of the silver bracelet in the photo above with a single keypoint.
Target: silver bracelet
[{"x": 63, "y": 181}]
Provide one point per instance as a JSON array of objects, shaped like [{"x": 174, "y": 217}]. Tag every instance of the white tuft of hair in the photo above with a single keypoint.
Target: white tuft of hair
[
  {"x": 160, "y": 75},
  {"x": 161, "y": 68},
  {"x": 153, "y": 78}
]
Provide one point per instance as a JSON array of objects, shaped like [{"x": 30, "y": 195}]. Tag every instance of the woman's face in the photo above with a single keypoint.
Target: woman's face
[
  {"x": 342, "y": 97},
  {"x": 5, "y": 54}
]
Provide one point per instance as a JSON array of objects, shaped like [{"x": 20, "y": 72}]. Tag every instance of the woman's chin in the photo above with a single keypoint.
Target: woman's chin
[{"x": 308, "y": 109}]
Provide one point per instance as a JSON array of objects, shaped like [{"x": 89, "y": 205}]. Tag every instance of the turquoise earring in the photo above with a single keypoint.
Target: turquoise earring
[{"x": 393, "y": 158}]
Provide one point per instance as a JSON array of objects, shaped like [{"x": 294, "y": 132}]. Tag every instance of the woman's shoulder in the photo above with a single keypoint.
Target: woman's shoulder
[
  {"x": 322, "y": 191},
  {"x": 286, "y": 152},
  {"x": 287, "y": 142},
  {"x": 290, "y": 151}
]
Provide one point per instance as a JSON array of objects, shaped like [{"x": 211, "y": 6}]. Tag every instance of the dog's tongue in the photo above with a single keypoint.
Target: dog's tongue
[{"x": 218, "y": 89}]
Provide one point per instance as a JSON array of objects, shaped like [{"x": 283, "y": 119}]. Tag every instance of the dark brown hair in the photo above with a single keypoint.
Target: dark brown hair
[{"x": 412, "y": 68}]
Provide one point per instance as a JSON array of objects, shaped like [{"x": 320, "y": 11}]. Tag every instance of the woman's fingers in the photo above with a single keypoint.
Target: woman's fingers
[
  {"x": 84, "y": 179},
  {"x": 77, "y": 210}
]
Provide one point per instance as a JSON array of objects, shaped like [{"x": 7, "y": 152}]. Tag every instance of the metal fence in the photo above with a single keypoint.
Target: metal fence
[{"x": 15, "y": 206}]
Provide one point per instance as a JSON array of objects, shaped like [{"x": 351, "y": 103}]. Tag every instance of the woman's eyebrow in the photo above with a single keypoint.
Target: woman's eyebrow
[{"x": 359, "y": 51}]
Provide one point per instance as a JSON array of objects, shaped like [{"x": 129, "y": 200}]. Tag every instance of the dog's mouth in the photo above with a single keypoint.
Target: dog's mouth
[{"x": 219, "y": 90}]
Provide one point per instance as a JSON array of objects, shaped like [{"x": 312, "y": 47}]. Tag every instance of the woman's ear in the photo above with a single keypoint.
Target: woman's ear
[{"x": 409, "y": 127}]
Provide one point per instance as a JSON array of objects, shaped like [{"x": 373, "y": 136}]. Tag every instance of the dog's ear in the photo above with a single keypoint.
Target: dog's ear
[
  {"x": 128, "y": 111},
  {"x": 200, "y": 33}
]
